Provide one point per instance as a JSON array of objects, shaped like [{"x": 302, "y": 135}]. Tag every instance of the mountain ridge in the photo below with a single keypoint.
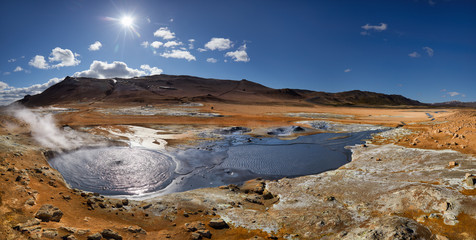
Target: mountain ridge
[{"x": 180, "y": 88}]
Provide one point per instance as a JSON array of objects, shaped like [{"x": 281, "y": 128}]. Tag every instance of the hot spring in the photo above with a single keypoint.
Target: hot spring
[{"x": 233, "y": 160}]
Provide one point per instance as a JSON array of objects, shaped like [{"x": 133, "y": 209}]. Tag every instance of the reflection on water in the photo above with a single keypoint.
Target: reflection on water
[{"x": 237, "y": 158}]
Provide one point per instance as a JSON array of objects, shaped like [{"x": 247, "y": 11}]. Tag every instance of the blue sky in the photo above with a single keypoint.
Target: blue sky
[{"x": 424, "y": 50}]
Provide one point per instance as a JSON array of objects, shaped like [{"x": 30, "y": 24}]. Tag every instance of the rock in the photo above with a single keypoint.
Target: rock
[
  {"x": 204, "y": 233},
  {"x": 96, "y": 236},
  {"x": 255, "y": 200},
  {"x": 440, "y": 237},
  {"x": 267, "y": 194},
  {"x": 137, "y": 229},
  {"x": 66, "y": 197},
  {"x": 471, "y": 181},
  {"x": 452, "y": 164},
  {"x": 23, "y": 227},
  {"x": 435, "y": 216},
  {"x": 110, "y": 234},
  {"x": 30, "y": 202},
  {"x": 49, "y": 213},
  {"x": 218, "y": 223},
  {"x": 49, "y": 233},
  {"x": 125, "y": 202},
  {"x": 70, "y": 237},
  {"x": 195, "y": 236},
  {"x": 194, "y": 226},
  {"x": 69, "y": 229},
  {"x": 119, "y": 205}
]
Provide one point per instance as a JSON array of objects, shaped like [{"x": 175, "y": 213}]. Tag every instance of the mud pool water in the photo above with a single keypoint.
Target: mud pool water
[{"x": 233, "y": 160}]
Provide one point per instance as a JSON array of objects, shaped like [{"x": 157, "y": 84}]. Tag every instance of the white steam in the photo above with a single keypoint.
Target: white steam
[{"x": 44, "y": 130}]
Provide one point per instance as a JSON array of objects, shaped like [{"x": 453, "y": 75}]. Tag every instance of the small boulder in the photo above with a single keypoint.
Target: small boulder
[
  {"x": 49, "y": 233},
  {"x": 194, "y": 226},
  {"x": 96, "y": 236},
  {"x": 218, "y": 223},
  {"x": 48, "y": 213},
  {"x": 195, "y": 236},
  {"x": 452, "y": 164},
  {"x": 110, "y": 234},
  {"x": 205, "y": 233}
]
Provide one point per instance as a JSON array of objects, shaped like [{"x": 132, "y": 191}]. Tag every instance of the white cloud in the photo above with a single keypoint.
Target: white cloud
[
  {"x": 95, "y": 46},
  {"x": 414, "y": 55},
  {"x": 379, "y": 28},
  {"x": 453, "y": 94},
  {"x": 364, "y": 33},
  {"x": 39, "y": 62},
  {"x": 211, "y": 60},
  {"x": 219, "y": 44},
  {"x": 239, "y": 55},
  {"x": 148, "y": 20},
  {"x": 100, "y": 69},
  {"x": 164, "y": 33},
  {"x": 171, "y": 20},
  {"x": 18, "y": 69},
  {"x": 180, "y": 54},
  {"x": 6, "y": 73},
  {"x": 347, "y": 70},
  {"x": 65, "y": 57},
  {"x": 201, "y": 49},
  {"x": 172, "y": 44},
  {"x": 12, "y": 60},
  {"x": 156, "y": 44},
  {"x": 429, "y": 51},
  {"x": 190, "y": 43},
  {"x": 151, "y": 70},
  {"x": 145, "y": 44},
  {"x": 10, "y": 94}
]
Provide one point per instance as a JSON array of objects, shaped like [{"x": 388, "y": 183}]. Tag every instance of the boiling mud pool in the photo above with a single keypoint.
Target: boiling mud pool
[{"x": 237, "y": 158}]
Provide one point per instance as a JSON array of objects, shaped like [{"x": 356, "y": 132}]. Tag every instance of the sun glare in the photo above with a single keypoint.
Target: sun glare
[{"x": 127, "y": 21}]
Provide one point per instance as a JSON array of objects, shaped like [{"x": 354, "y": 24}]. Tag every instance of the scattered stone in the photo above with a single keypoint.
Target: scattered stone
[
  {"x": 194, "y": 226},
  {"x": 378, "y": 159},
  {"x": 48, "y": 213},
  {"x": 125, "y": 202},
  {"x": 205, "y": 233},
  {"x": 471, "y": 181},
  {"x": 195, "y": 236},
  {"x": 119, "y": 205},
  {"x": 267, "y": 194},
  {"x": 422, "y": 218},
  {"x": 66, "y": 197},
  {"x": 24, "y": 226},
  {"x": 147, "y": 206},
  {"x": 96, "y": 236},
  {"x": 435, "y": 216},
  {"x": 70, "y": 237},
  {"x": 30, "y": 202},
  {"x": 331, "y": 198},
  {"x": 137, "y": 229},
  {"x": 49, "y": 233},
  {"x": 255, "y": 200},
  {"x": 110, "y": 234},
  {"x": 218, "y": 223},
  {"x": 452, "y": 164},
  {"x": 69, "y": 229}
]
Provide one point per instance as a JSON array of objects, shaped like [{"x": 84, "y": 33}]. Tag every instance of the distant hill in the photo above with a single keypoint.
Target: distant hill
[
  {"x": 173, "y": 88},
  {"x": 457, "y": 104}
]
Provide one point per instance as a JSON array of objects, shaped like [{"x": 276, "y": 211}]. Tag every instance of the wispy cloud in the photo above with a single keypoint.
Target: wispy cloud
[
  {"x": 172, "y": 44},
  {"x": 156, "y": 44},
  {"x": 414, "y": 55},
  {"x": 10, "y": 94},
  {"x": 145, "y": 44},
  {"x": 212, "y": 60},
  {"x": 219, "y": 44},
  {"x": 95, "y": 46},
  {"x": 239, "y": 55},
  {"x": 164, "y": 33},
  {"x": 429, "y": 51},
  {"x": 18, "y": 69},
  {"x": 381, "y": 27},
  {"x": 179, "y": 54},
  {"x": 347, "y": 70},
  {"x": 190, "y": 43}
]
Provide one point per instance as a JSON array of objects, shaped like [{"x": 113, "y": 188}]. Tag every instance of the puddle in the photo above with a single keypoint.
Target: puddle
[{"x": 234, "y": 159}]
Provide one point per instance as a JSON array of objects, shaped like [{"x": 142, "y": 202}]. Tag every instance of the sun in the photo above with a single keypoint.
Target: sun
[{"x": 127, "y": 21}]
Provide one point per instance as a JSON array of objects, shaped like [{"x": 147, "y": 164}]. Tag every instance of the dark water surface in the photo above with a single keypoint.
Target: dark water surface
[{"x": 237, "y": 158}]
